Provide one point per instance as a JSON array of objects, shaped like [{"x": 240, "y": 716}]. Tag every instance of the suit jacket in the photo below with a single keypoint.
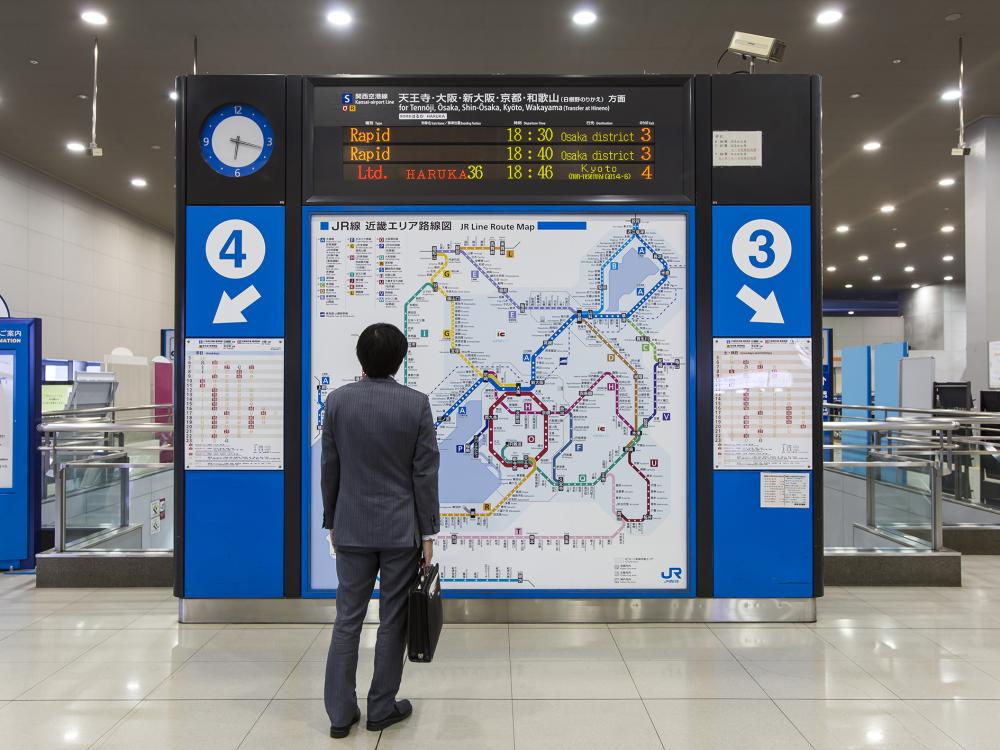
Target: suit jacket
[{"x": 379, "y": 470}]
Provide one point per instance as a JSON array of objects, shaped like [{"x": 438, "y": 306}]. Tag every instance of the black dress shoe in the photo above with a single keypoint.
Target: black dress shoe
[
  {"x": 338, "y": 733},
  {"x": 400, "y": 711}
]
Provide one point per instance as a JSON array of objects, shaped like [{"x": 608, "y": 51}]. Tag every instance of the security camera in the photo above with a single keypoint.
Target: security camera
[
  {"x": 756, "y": 47},
  {"x": 94, "y": 150},
  {"x": 961, "y": 151}
]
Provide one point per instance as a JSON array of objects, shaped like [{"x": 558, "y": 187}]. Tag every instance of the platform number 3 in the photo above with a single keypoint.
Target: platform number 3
[
  {"x": 761, "y": 248},
  {"x": 235, "y": 249}
]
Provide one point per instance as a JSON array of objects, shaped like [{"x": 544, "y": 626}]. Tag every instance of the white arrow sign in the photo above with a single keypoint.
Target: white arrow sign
[
  {"x": 231, "y": 308},
  {"x": 764, "y": 310}
]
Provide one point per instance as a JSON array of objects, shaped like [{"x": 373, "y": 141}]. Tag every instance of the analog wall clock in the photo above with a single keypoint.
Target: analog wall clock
[{"x": 236, "y": 140}]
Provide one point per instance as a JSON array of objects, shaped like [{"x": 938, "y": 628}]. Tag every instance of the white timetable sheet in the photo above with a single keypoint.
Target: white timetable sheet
[
  {"x": 6, "y": 421},
  {"x": 762, "y": 403},
  {"x": 234, "y": 397}
]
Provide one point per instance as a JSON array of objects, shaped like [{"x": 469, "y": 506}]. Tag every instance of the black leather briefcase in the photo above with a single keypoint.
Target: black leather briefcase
[{"x": 426, "y": 615}]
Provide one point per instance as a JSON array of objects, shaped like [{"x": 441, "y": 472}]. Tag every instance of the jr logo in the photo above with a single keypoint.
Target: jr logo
[{"x": 672, "y": 574}]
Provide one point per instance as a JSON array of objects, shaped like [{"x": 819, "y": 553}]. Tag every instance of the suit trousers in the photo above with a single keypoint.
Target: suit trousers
[{"x": 356, "y": 570}]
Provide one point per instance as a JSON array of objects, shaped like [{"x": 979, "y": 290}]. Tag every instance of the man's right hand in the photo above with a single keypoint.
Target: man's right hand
[{"x": 428, "y": 553}]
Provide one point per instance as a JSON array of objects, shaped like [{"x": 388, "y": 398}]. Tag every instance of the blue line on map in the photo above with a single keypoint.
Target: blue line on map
[{"x": 560, "y": 451}]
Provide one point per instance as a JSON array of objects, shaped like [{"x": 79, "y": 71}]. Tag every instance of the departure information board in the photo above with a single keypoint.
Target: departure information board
[{"x": 384, "y": 141}]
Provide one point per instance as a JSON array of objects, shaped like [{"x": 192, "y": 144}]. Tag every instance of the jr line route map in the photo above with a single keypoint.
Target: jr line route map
[{"x": 553, "y": 348}]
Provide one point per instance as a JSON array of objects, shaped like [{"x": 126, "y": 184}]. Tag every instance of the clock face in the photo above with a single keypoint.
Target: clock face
[{"x": 236, "y": 140}]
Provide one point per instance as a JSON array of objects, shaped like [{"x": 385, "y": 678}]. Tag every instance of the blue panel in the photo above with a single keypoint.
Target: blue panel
[
  {"x": 542, "y": 225},
  {"x": 19, "y": 502},
  {"x": 759, "y": 552},
  {"x": 234, "y": 534},
  {"x": 886, "y": 370},
  {"x": 757, "y": 252},
  {"x": 856, "y": 388},
  {"x": 221, "y": 263}
]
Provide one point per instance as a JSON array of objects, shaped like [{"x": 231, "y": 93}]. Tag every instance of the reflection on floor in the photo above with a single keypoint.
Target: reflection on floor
[{"x": 899, "y": 668}]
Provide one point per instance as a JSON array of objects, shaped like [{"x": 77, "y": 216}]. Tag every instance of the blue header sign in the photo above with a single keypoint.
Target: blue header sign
[
  {"x": 235, "y": 271},
  {"x": 761, "y": 271}
]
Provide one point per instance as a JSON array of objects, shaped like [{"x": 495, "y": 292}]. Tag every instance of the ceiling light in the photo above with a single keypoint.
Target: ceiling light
[
  {"x": 855, "y": 95},
  {"x": 948, "y": 229},
  {"x": 33, "y": 62},
  {"x": 952, "y": 16},
  {"x": 850, "y": 312},
  {"x": 949, "y": 278},
  {"x": 897, "y": 60},
  {"x": 842, "y": 228},
  {"x": 829, "y": 17},
  {"x": 82, "y": 97},
  {"x": 872, "y": 146},
  {"x": 138, "y": 182},
  {"x": 831, "y": 269},
  {"x": 888, "y": 208},
  {"x": 876, "y": 277},
  {"x": 914, "y": 286},
  {"x": 909, "y": 269},
  {"x": 946, "y": 181},
  {"x": 339, "y": 18},
  {"x": 174, "y": 95},
  {"x": 900, "y": 245},
  {"x": 94, "y": 17},
  {"x": 862, "y": 258},
  {"x": 948, "y": 258},
  {"x": 951, "y": 95},
  {"x": 76, "y": 147},
  {"x": 584, "y": 17},
  {"x": 848, "y": 286}
]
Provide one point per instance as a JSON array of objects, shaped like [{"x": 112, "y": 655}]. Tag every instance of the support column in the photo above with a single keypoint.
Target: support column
[{"x": 982, "y": 248}]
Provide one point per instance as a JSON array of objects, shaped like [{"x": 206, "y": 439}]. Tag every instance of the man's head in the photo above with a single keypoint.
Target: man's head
[{"x": 381, "y": 350}]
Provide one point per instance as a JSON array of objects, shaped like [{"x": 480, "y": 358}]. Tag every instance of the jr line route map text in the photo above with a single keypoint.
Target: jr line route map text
[{"x": 553, "y": 348}]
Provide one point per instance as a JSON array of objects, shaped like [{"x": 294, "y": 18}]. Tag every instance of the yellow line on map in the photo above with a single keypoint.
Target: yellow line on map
[{"x": 504, "y": 499}]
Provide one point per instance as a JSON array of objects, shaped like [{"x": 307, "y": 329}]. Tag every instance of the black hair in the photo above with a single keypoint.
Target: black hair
[{"x": 381, "y": 350}]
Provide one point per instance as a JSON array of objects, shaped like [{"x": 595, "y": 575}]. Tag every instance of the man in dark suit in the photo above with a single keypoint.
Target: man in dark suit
[{"x": 380, "y": 502}]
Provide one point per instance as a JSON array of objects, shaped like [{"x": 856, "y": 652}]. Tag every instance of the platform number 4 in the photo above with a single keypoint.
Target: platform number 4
[{"x": 235, "y": 249}]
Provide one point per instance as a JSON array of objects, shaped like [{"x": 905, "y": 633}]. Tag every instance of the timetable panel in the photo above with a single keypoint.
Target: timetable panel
[{"x": 382, "y": 141}]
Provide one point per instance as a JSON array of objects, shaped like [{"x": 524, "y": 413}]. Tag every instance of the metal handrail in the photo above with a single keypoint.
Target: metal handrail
[
  {"x": 105, "y": 410},
  {"x": 59, "y": 541},
  {"x": 991, "y": 415},
  {"x": 114, "y": 427}
]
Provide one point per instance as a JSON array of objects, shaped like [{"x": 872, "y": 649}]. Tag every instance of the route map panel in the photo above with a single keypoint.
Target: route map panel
[
  {"x": 554, "y": 350},
  {"x": 470, "y": 141}
]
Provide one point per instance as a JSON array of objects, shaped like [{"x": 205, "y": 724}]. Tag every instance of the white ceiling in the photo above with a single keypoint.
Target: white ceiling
[{"x": 147, "y": 43}]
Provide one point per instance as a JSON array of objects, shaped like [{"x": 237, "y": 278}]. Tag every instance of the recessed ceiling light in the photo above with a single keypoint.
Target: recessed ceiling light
[
  {"x": 909, "y": 269},
  {"x": 946, "y": 181},
  {"x": 82, "y": 97},
  {"x": 888, "y": 208},
  {"x": 872, "y": 146},
  {"x": 949, "y": 278},
  {"x": 914, "y": 286},
  {"x": 842, "y": 228},
  {"x": 174, "y": 95},
  {"x": 952, "y": 16},
  {"x": 876, "y": 277},
  {"x": 850, "y": 312},
  {"x": 848, "y": 286},
  {"x": 831, "y": 269},
  {"x": 897, "y": 60},
  {"x": 155, "y": 147},
  {"x": 138, "y": 182},
  {"x": 339, "y": 18},
  {"x": 829, "y": 17},
  {"x": 584, "y": 17},
  {"x": 948, "y": 229},
  {"x": 948, "y": 258},
  {"x": 951, "y": 95},
  {"x": 76, "y": 147},
  {"x": 94, "y": 17},
  {"x": 33, "y": 62},
  {"x": 862, "y": 258},
  {"x": 855, "y": 95},
  {"x": 900, "y": 245}
]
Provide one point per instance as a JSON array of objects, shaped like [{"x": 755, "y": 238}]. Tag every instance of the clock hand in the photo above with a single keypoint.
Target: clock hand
[
  {"x": 236, "y": 150},
  {"x": 244, "y": 143}
]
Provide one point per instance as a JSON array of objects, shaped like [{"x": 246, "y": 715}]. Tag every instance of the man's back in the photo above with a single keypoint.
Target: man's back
[{"x": 379, "y": 468}]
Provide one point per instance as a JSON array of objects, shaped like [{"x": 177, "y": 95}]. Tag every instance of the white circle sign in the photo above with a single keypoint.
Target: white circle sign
[
  {"x": 235, "y": 249},
  {"x": 762, "y": 248}
]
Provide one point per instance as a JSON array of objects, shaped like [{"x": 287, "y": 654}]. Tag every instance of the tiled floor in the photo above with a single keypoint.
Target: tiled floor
[{"x": 883, "y": 668}]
